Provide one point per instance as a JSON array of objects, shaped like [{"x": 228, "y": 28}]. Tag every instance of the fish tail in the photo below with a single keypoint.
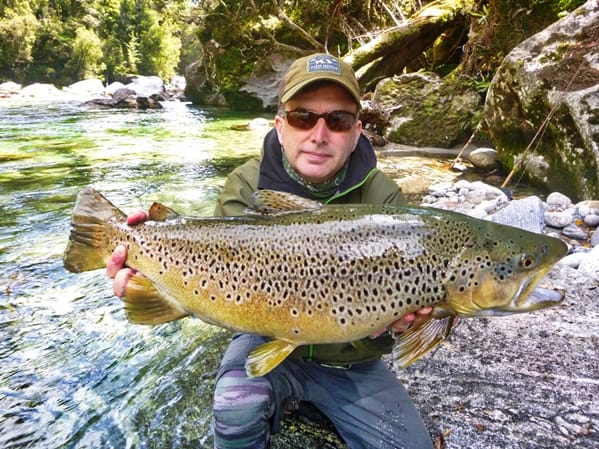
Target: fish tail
[{"x": 86, "y": 249}]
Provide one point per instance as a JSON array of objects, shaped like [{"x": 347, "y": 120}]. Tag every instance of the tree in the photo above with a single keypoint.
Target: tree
[
  {"x": 86, "y": 57},
  {"x": 18, "y": 29}
]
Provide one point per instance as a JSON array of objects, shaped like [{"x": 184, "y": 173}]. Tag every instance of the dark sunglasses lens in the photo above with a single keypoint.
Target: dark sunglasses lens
[
  {"x": 301, "y": 119},
  {"x": 336, "y": 120},
  {"x": 340, "y": 121}
]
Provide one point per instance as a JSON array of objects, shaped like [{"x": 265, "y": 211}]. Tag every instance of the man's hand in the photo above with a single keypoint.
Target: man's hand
[
  {"x": 405, "y": 322},
  {"x": 115, "y": 269}
]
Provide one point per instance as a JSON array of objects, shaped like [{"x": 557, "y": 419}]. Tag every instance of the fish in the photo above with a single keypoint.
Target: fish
[{"x": 301, "y": 272}]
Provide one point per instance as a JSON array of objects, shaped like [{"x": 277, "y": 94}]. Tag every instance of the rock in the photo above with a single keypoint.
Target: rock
[
  {"x": 589, "y": 266},
  {"x": 431, "y": 111},
  {"x": 575, "y": 232},
  {"x": 591, "y": 220},
  {"x": 41, "y": 91},
  {"x": 147, "y": 86},
  {"x": 558, "y": 219},
  {"x": 113, "y": 87},
  {"x": 126, "y": 98},
  {"x": 558, "y": 201},
  {"x": 595, "y": 239},
  {"x": 573, "y": 260},
  {"x": 485, "y": 158},
  {"x": 526, "y": 214},
  {"x": 86, "y": 88},
  {"x": 9, "y": 89},
  {"x": 556, "y": 70}
]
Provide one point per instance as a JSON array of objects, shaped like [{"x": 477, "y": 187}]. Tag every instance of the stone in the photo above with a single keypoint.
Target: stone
[
  {"x": 526, "y": 213},
  {"x": 558, "y": 201},
  {"x": 575, "y": 232},
  {"x": 89, "y": 87},
  {"x": 591, "y": 220},
  {"x": 558, "y": 219},
  {"x": 573, "y": 260},
  {"x": 555, "y": 71},
  {"x": 434, "y": 112},
  {"x": 485, "y": 158},
  {"x": 589, "y": 266}
]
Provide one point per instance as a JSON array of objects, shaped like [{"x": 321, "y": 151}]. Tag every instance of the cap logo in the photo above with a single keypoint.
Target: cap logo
[{"x": 323, "y": 63}]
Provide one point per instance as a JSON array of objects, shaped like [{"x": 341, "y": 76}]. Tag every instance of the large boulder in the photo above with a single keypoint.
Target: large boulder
[
  {"x": 426, "y": 110},
  {"x": 552, "y": 75}
]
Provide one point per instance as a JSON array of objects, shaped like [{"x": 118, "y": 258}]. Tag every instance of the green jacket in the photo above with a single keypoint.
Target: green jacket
[{"x": 364, "y": 183}]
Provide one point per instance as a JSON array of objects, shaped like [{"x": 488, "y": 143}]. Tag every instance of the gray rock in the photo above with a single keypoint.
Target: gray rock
[
  {"x": 558, "y": 201},
  {"x": 595, "y": 239},
  {"x": 589, "y": 266},
  {"x": 573, "y": 260},
  {"x": 591, "y": 220},
  {"x": 443, "y": 120},
  {"x": 526, "y": 214},
  {"x": 575, "y": 232},
  {"x": 485, "y": 158},
  {"x": 558, "y": 219},
  {"x": 535, "y": 78}
]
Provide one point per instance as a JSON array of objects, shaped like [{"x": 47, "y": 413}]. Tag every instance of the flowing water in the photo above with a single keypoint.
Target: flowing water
[{"x": 73, "y": 372}]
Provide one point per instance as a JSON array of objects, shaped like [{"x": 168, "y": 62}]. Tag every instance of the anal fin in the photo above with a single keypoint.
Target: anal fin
[
  {"x": 144, "y": 304},
  {"x": 414, "y": 343},
  {"x": 264, "y": 358}
]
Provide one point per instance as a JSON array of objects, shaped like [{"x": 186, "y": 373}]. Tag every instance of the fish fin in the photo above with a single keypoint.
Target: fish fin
[
  {"x": 91, "y": 215},
  {"x": 264, "y": 358},
  {"x": 412, "y": 344},
  {"x": 144, "y": 304},
  {"x": 272, "y": 202},
  {"x": 160, "y": 212}
]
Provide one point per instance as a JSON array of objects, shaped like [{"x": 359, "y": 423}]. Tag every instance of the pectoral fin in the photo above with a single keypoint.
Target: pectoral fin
[
  {"x": 415, "y": 342},
  {"x": 159, "y": 212},
  {"x": 144, "y": 304},
  {"x": 264, "y": 358}
]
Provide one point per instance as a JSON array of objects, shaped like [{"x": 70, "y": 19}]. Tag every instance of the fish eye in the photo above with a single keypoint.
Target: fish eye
[{"x": 527, "y": 262}]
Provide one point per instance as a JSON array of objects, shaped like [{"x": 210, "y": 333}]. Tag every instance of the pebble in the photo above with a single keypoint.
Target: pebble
[
  {"x": 558, "y": 201},
  {"x": 575, "y": 224},
  {"x": 558, "y": 219}
]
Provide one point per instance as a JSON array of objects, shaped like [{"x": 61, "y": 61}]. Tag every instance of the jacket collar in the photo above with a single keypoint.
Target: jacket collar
[{"x": 274, "y": 177}]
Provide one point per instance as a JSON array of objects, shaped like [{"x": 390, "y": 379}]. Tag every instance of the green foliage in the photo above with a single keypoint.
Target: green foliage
[
  {"x": 86, "y": 58},
  {"x": 18, "y": 28},
  {"x": 62, "y": 41}
]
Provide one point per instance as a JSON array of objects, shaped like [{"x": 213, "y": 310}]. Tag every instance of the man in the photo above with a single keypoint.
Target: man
[{"x": 316, "y": 150}]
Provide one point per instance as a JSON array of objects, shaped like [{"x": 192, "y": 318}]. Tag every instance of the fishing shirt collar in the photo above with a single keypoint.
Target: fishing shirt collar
[{"x": 274, "y": 176}]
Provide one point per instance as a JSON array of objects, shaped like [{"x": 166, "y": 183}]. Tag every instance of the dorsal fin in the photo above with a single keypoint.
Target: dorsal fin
[
  {"x": 272, "y": 202},
  {"x": 159, "y": 212}
]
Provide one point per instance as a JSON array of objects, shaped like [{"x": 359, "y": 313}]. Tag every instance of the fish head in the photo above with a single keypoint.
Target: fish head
[{"x": 498, "y": 270}]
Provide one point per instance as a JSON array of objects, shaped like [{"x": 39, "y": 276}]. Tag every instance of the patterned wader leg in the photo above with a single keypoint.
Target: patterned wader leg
[{"x": 367, "y": 404}]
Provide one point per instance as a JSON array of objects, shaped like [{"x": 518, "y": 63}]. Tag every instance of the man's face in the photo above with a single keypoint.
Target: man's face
[{"x": 318, "y": 153}]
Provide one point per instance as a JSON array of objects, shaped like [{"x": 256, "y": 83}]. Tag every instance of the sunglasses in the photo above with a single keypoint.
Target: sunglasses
[{"x": 335, "y": 120}]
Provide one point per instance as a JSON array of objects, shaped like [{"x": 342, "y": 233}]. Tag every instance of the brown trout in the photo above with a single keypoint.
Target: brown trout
[{"x": 305, "y": 273}]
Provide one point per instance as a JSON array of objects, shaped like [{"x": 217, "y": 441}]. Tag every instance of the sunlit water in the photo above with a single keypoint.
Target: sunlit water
[{"x": 73, "y": 372}]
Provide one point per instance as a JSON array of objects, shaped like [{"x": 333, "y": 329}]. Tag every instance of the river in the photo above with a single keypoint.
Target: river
[{"x": 74, "y": 373}]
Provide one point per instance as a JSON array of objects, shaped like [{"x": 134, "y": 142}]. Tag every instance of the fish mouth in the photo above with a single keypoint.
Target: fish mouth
[{"x": 529, "y": 298}]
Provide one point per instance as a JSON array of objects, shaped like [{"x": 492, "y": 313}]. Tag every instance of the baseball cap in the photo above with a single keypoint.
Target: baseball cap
[{"x": 319, "y": 67}]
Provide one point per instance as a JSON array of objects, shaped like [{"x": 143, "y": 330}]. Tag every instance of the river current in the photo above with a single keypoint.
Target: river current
[{"x": 73, "y": 372}]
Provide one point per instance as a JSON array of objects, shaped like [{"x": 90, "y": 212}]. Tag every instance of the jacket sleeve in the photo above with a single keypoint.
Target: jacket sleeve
[{"x": 236, "y": 195}]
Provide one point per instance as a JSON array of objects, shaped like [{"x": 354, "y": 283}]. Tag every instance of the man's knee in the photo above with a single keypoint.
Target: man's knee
[{"x": 242, "y": 409}]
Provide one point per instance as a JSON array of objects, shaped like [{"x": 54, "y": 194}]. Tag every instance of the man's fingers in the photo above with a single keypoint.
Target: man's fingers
[
  {"x": 117, "y": 261},
  {"x": 136, "y": 217},
  {"x": 120, "y": 281}
]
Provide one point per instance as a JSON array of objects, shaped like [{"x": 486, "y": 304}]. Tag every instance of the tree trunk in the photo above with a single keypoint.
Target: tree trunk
[{"x": 395, "y": 48}]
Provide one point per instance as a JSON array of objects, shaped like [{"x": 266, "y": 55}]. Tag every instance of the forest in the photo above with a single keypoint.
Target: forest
[{"x": 63, "y": 41}]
